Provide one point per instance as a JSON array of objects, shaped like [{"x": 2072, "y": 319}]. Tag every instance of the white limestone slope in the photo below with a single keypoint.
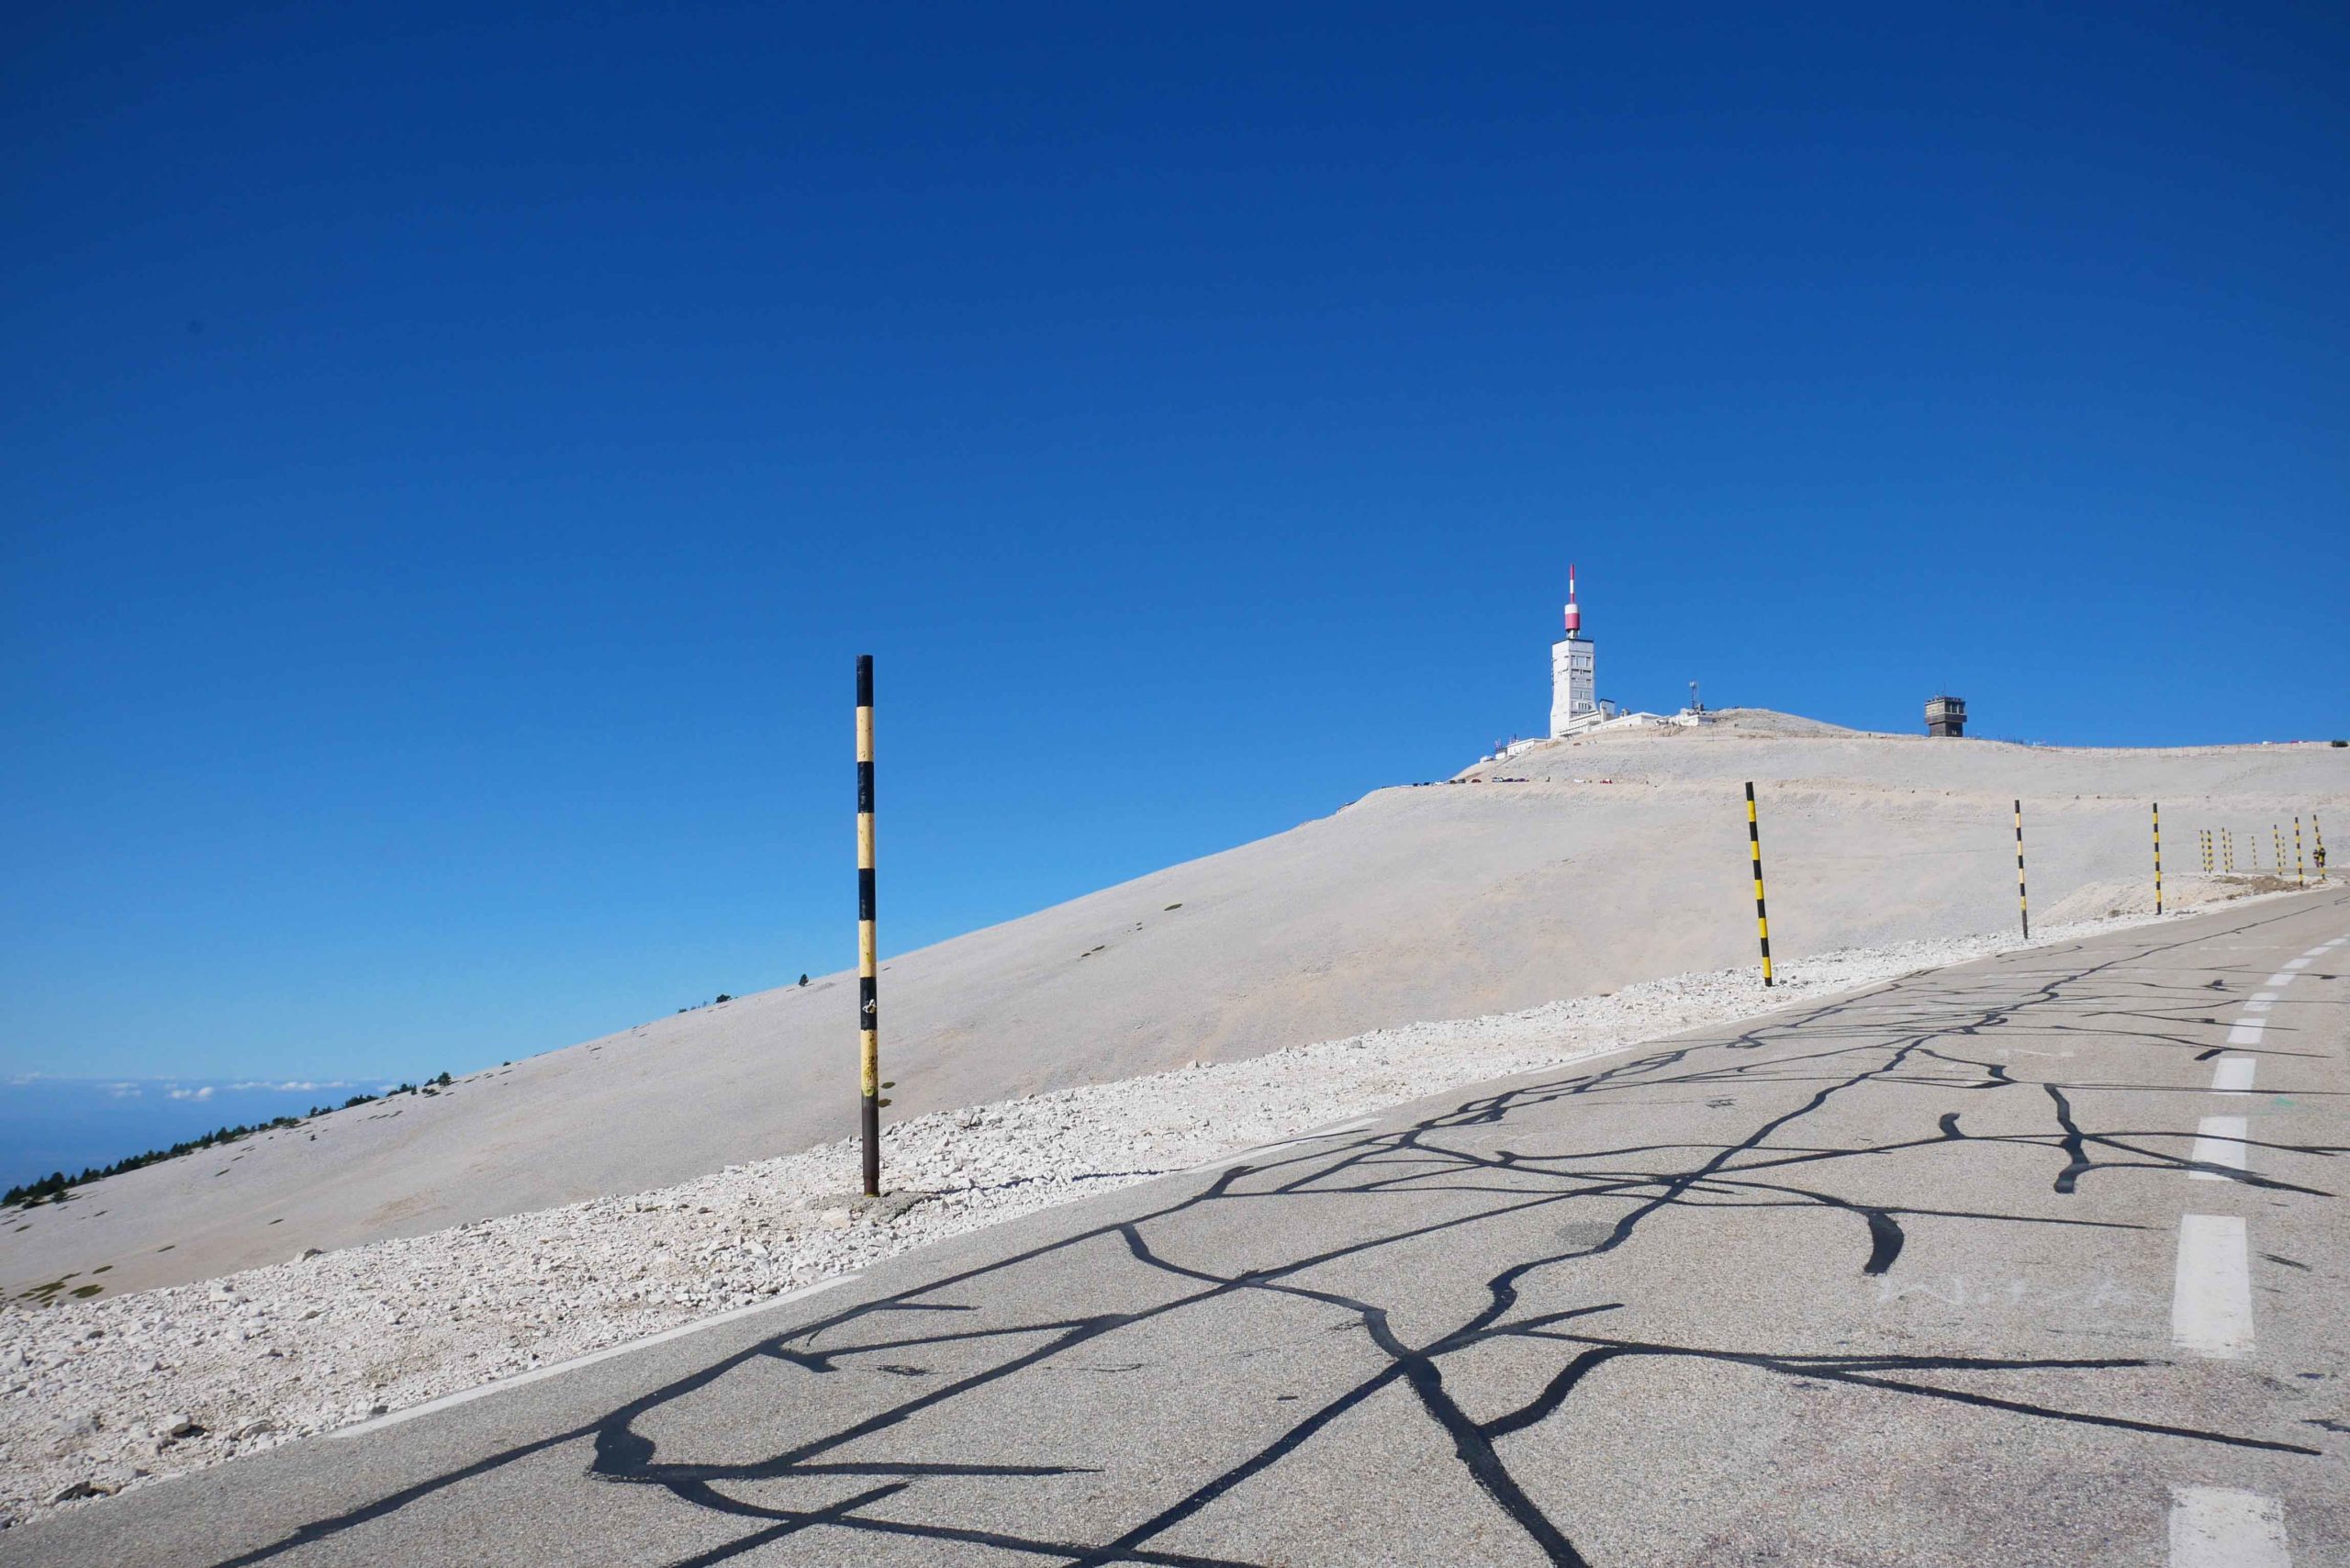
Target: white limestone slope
[{"x": 1622, "y": 859}]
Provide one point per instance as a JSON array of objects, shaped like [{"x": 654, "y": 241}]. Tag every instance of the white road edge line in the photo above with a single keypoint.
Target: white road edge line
[
  {"x": 2211, "y": 1305},
  {"x": 2232, "y": 1075},
  {"x": 537, "y": 1374},
  {"x": 1237, "y": 1155},
  {"x": 2219, "y": 1140},
  {"x": 2218, "y": 1527}
]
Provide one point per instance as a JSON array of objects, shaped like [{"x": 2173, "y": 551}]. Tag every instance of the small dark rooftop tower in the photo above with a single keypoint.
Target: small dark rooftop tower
[{"x": 1946, "y": 715}]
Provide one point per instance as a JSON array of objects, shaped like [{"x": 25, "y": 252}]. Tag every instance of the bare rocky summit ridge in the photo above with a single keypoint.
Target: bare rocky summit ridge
[{"x": 1620, "y": 857}]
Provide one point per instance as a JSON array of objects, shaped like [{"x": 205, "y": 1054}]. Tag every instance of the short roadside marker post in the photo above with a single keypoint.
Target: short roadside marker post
[
  {"x": 868, "y": 973},
  {"x": 2300, "y": 873},
  {"x": 1755, "y": 852},
  {"x": 2023, "y": 906},
  {"x": 2158, "y": 858}
]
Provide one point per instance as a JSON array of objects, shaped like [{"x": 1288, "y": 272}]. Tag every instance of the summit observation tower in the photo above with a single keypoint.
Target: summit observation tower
[{"x": 1574, "y": 677}]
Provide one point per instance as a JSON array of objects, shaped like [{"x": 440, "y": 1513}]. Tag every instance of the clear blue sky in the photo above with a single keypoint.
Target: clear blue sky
[{"x": 454, "y": 454}]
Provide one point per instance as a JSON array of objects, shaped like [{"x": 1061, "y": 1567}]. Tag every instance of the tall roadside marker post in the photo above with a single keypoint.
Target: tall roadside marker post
[
  {"x": 2228, "y": 850},
  {"x": 868, "y": 973},
  {"x": 2300, "y": 873},
  {"x": 2158, "y": 858},
  {"x": 2277, "y": 838},
  {"x": 2023, "y": 906},
  {"x": 2320, "y": 831},
  {"x": 1754, "y": 851}
]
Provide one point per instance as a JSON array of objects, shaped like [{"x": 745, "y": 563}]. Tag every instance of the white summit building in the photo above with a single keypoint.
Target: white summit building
[
  {"x": 1575, "y": 707},
  {"x": 1574, "y": 674}
]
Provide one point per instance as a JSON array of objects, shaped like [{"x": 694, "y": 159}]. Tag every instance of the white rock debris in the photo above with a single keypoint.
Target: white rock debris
[{"x": 100, "y": 1395}]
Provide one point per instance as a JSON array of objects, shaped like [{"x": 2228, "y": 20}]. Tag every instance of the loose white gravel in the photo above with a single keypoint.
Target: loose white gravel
[{"x": 99, "y": 1395}]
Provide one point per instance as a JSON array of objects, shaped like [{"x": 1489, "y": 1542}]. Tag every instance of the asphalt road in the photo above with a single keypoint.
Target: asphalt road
[{"x": 2037, "y": 1260}]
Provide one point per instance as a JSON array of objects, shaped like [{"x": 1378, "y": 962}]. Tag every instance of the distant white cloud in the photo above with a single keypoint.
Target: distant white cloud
[
  {"x": 294, "y": 1085},
  {"x": 203, "y": 1094},
  {"x": 124, "y": 1091}
]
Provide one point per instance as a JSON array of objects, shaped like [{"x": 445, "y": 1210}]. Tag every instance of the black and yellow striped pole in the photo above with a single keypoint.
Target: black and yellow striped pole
[
  {"x": 2276, "y": 840},
  {"x": 2227, "y": 849},
  {"x": 1754, "y": 851},
  {"x": 2320, "y": 831},
  {"x": 2209, "y": 849},
  {"x": 2158, "y": 858},
  {"x": 2300, "y": 873},
  {"x": 2024, "y": 905},
  {"x": 868, "y": 973}
]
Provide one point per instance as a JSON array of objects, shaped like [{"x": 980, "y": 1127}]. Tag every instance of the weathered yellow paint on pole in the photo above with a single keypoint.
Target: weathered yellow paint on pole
[
  {"x": 2023, "y": 906},
  {"x": 869, "y": 955},
  {"x": 1754, "y": 850}
]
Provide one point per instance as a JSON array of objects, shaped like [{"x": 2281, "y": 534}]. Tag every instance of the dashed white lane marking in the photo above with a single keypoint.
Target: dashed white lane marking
[
  {"x": 2218, "y": 1527},
  {"x": 2210, "y": 1303},
  {"x": 2299, "y": 963},
  {"x": 2260, "y": 1003},
  {"x": 2281, "y": 977},
  {"x": 539, "y": 1374},
  {"x": 2219, "y": 1140},
  {"x": 2232, "y": 1075},
  {"x": 2247, "y": 1032}
]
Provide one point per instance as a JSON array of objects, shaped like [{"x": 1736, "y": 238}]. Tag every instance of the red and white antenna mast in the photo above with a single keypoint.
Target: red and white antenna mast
[{"x": 1574, "y": 611}]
